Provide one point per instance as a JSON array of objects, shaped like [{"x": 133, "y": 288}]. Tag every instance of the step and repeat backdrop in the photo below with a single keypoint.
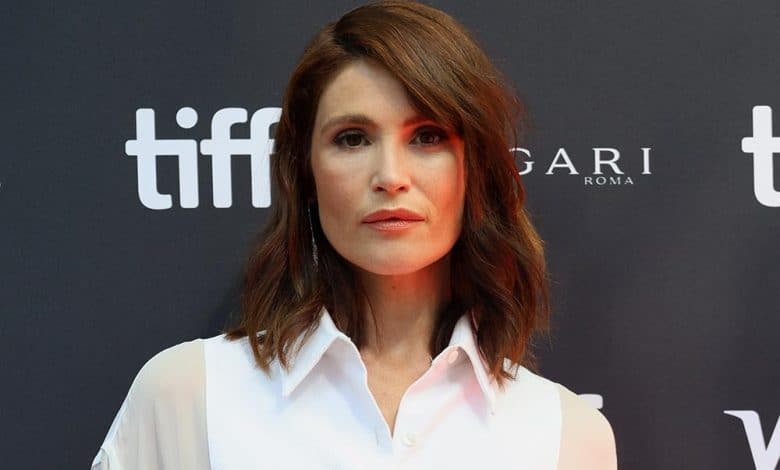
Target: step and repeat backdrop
[{"x": 134, "y": 177}]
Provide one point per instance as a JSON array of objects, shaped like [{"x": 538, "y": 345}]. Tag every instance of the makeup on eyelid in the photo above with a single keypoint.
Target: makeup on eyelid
[{"x": 439, "y": 134}]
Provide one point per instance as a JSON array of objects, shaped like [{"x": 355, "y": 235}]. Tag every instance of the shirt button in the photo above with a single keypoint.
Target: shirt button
[
  {"x": 409, "y": 439},
  {"x": 452, "y": 356}
]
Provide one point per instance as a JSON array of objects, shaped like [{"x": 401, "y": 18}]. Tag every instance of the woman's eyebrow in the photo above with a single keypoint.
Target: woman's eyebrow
[{"x": 363, "y": 120}]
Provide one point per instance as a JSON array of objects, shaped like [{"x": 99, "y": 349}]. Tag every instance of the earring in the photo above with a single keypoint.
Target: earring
[{"x": 311, "y": 230}]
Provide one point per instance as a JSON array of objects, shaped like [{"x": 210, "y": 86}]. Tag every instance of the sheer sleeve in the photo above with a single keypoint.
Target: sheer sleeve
[
  {"x": 161, "y": 424},
  {"x": 587, "y": 439}
]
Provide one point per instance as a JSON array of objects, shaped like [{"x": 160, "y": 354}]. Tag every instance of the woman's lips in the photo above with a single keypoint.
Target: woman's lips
[
  {"x": 393, "y": 225},
  {"x": 400, "y": 213}
]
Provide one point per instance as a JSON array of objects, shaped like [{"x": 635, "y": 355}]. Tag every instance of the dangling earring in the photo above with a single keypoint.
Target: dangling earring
[{"x": 313, "y": 243}]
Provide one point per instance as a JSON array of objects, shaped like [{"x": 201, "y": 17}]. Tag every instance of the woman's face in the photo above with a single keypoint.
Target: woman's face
[{"x": 370, "y": 151}]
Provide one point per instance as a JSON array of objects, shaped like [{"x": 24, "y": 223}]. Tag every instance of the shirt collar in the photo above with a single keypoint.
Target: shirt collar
[
  {"x": 326, "y": 333},
  {"x": 463, "y": 336},
  {"x": 310, "y": 352}
]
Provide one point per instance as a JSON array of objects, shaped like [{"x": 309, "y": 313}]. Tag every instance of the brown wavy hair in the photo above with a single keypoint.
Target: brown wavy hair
[{"x": 498, "y": 272}]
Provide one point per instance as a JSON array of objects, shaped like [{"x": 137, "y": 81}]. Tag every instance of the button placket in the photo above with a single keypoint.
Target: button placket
[{"x": 408, "y": 423}]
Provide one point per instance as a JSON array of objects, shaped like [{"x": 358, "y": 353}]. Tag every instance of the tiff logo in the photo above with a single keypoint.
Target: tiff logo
[
  {"x": 221, "y": 147},
  {"x": 763, "y": 145},
  {"x": 765, "y": 456}
]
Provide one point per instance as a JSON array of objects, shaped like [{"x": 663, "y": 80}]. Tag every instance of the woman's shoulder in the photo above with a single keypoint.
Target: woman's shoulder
[
  {"x": 587, "y": 439},
  {"x": 174, "y": 373},
  {"x": 161, "y": 422}
]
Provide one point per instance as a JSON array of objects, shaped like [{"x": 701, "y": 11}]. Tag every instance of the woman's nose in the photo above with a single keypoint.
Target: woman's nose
[{"x": 390, "y": 169}]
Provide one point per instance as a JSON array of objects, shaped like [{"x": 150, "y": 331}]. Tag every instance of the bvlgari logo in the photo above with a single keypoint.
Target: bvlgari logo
[
  {"x": 766, "y": 456},
  {"x": 763, "y": 145},
  {"x": 606, "y": 169}
]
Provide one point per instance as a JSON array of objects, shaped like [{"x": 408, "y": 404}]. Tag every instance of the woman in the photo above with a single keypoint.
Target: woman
[{"x": 388, "y": 309}]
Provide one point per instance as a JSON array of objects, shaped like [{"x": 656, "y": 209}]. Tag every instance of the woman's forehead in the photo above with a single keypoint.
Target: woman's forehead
[{"x": 364, "y": 89}]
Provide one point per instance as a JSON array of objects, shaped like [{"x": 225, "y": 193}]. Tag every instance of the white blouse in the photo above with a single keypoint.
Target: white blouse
[{"x": 206, "y": 405}]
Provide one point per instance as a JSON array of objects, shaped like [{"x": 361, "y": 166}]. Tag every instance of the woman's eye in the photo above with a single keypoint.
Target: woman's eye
[
  {"x": 350, "y": 139},
  {"x": 430, "y": 136}
]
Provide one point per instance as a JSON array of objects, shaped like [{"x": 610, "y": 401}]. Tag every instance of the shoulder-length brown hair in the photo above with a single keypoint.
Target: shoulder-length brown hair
[{"x": 498, "y": 270}]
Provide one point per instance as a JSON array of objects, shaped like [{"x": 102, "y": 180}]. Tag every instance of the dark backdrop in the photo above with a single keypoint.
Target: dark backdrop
[{"x": 666, "y": 277}]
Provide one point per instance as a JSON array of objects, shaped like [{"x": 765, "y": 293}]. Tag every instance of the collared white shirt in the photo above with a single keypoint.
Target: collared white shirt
[{"x": 206, "y": 405}]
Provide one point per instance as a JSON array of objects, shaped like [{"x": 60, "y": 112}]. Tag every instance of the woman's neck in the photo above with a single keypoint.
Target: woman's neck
[{"x": 403, "y": 313}]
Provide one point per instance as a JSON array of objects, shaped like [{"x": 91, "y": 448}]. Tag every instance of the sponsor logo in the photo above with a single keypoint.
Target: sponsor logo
[
  {"x": 763, "y": 145},
  {"x": 221, "y": 148},
  {"x": 595, "y": 400},
  {"x": 766, "y": 456},
  {"x": 606, "y": 171}
]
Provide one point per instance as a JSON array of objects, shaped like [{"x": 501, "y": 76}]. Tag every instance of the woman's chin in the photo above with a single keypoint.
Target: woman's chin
[{"x": 396, "y": 265}]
